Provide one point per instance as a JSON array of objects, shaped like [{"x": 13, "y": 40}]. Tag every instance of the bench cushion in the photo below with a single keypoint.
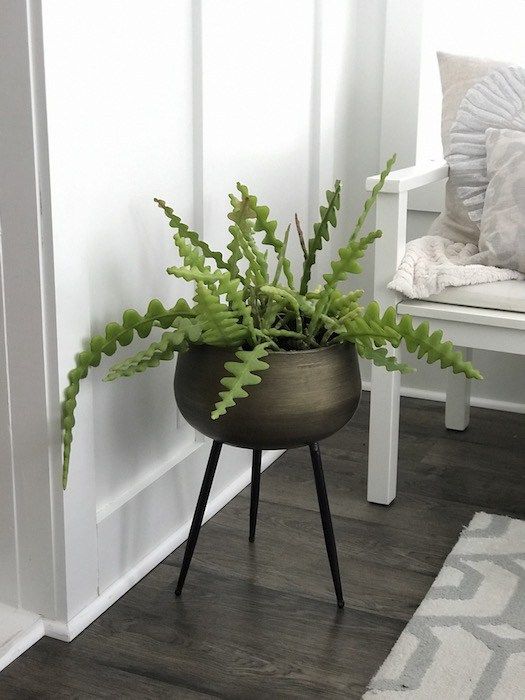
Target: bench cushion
[{"x": 504, "y": 296}]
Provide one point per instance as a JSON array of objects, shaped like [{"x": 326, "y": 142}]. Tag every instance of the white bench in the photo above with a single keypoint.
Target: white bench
[{"x": 487, "y": 316}]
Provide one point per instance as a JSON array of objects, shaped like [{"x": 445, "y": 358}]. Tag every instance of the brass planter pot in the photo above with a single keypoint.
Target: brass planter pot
[{"x": 304, "y": 396}]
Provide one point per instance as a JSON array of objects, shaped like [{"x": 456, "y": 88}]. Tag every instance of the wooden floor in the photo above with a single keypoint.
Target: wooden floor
[{"x": 260, "y": 620}]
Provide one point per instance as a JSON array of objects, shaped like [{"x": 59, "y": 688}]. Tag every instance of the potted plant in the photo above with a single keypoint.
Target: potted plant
[{"x": 264, "y": 362}]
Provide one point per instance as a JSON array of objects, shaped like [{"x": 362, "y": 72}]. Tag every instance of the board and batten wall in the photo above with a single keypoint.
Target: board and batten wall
[{"x": 131, "y": 101}]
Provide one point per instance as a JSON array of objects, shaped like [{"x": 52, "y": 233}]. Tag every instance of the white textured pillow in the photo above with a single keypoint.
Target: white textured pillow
[
  {"x": 458, "y": 75},
  {"x": 502, "y": 239},
  {"x": 498, "y": 102}
]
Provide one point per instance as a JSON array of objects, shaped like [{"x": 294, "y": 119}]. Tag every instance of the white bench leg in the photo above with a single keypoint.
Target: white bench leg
[
  {"x": 457, "y": 406},
  {"x": 383, "y": 436}
]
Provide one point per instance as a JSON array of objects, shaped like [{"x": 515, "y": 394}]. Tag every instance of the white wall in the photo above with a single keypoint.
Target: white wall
[
  {"x": 358, "y": 124},
  {"x": 179, "y": 101},
  {"x": 120, "y": 133},
  {"x": 257, "y": 90}
]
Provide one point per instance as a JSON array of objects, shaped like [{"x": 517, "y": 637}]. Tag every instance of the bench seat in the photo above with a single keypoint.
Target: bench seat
[{"x": 504, "y": 296}]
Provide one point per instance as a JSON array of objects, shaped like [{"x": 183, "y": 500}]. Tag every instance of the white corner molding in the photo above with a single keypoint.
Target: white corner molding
[{"x": 19, "y": 630}]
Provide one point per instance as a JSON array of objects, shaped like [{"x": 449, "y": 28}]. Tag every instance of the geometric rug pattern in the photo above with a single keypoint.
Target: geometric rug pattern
[{"x": 467, "y": 638}]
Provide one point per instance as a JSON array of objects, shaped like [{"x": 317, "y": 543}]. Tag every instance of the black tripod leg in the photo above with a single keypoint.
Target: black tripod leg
[
  {"x": 326, "y": 519},
  {"x": 256, "y": 483},
  {"x": 199, "y": 513}
]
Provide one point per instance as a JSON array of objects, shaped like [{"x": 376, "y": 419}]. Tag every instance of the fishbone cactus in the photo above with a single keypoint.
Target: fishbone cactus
[{"x": 242, "y": 303}]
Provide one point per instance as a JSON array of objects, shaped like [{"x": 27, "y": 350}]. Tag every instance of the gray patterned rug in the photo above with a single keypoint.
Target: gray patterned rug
[{"x": 467, "y": 638}]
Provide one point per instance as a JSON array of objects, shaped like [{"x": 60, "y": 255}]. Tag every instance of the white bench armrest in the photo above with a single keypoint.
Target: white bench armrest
[{"x": 411, "y": 178}]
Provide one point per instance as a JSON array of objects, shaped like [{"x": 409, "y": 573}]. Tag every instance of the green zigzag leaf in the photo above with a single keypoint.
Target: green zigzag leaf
[
  {"x": 418, "y": 340},
  {"x": 260, "y": 213},
  {"x": 347, "y": 262},
  {"x": 195, "y": 274},
  {"x": 242, "y": 215},
  {"x": 242, "y": 375},
  {"x": 220, "y": 325},
  {"x": 186, "y": 331},
  {"x": 373, "y": 196},
  {"x": 230, "y": 287},
  {"x": 243, "y": 244},
  {"x": 349, "y": 255},
  {"x": 192, "y": 236},
  {"x": 381, "y": 358},
  {"x": 283, "y": 264},
  {"x": 341, "y": 268},
  {"x": 321, "y": 232},
  {"x": 115, "y": 334}
]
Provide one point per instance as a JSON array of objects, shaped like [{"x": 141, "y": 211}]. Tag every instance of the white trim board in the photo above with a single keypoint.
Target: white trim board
[
  {"x": 19, "y": 630},
  {"x": 478, "y": 401},
  {"x": 25, "y": 629},
  {"x": 68, "y": 631},
  {"x": 109, "y": 507}
]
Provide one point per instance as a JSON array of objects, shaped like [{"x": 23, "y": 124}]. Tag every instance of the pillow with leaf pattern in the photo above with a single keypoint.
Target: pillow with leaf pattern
[
  {"x": 458, "y": 75},
  {"x": 495, "y": 102},
  {"x": 502, "y": 238}
]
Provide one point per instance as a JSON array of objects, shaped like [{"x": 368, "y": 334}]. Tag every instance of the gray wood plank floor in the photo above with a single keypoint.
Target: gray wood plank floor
[{"x": 260, "y": 620}]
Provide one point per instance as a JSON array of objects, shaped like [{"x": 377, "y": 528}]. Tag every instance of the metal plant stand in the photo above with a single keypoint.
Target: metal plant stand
[{"x": 324, "y": 509}]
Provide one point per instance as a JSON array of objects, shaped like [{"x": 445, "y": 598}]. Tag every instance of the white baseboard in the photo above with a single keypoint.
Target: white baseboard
[
  {"x": 19, "y": 630},
  {"x": 68, "y": 631},
  {"x": 478, "y": 401}
]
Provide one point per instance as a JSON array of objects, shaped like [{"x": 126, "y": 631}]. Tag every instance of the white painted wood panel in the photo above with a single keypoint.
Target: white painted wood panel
[
  {"x": 135, "y": 104},
  {"x": 402, "y": 58},
  {"x": 19, "y": 630},
  {"x": 8, "y": 553},
  {"x": 166, "y": 507},
  {"x": 120, "y": 134},
  {"x": 23, "y": 239},
  {"x": 171, "y": 142},
  {"x": 257, "y": 108}
]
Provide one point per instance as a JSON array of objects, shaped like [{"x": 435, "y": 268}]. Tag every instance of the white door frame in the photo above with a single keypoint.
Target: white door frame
[{"x": 28, "y": 308}]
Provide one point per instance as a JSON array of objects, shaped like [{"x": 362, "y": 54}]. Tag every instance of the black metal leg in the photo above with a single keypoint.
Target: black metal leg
[
  {"x": 326, "y": 519},
  {"x": 256, "y": 483},
  {"x": 199, "y": 513}
]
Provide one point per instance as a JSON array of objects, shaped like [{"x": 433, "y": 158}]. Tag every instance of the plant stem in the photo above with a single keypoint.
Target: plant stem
[
  {"x": 301, "y": 236},
  {"x": 267, "y": 338},
  {"x": 326, "y": 337},
  {"x": 281, "y": 257}
]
